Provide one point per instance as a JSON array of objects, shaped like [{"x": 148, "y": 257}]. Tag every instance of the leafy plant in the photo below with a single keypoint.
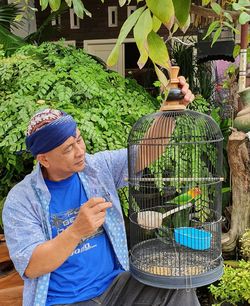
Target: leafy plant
[
  {"x": 11, "y": 42},
  {"x": 234, "y": 285},
  {"x": 150, "y": 16},
  {"x": 9, "y": 15},
  {"x": 104, "y": 104},
  {"x": 245, "y": 245}
]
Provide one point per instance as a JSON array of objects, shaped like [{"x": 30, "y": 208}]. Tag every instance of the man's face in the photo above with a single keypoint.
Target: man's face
[{"x": 65, "y": 159}]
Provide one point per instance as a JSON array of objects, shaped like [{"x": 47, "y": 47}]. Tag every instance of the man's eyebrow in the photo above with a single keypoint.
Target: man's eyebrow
[
  {"x": 67, "y": 146},
  {"x": 70, "y": 144}
]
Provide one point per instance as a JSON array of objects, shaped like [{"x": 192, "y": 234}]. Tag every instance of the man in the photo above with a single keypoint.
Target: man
[{"x": 64, "y": 226}]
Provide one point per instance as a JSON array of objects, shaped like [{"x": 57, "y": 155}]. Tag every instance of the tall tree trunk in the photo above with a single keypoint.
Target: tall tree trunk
[{"x": 239, "y": 162}]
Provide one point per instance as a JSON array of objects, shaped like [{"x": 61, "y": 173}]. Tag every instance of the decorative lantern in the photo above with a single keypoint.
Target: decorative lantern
[{"x": 175, "y": 181}]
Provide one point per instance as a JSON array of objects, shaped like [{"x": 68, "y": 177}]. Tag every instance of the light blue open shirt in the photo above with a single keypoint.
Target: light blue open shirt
[{"x": 26, "y": 216}]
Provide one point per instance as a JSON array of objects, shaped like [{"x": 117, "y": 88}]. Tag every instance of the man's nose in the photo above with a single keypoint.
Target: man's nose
[{"x": 80, "y": 150}]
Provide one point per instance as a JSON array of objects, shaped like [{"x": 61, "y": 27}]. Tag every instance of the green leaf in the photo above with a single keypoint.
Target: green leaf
[
  {"x": 211, "y": 28},
  {"x": 141, "y": 30},
  {"x": 113, "y": 56},
  {"x": 228, "y": 16},
  {"x": 87, "y": 12},
  {"x": 162, "y": 9},
  {"x": 237, "y": 6},
  {"x": 18, "y": 18},
  {"x": 122, "y": 2},
  {"x": 186, "y": 25},
  {"x": 244, "y": 2},
  {"x": 126, "y": 28},
  {"x": 205, "y": 2},
  {"x": 228, "y": 25},
  {"x": 156, "y": 23},
  {"x": 216, "y": 8},
  {"x": 44, "y": 4},
  {"x": 54, "y": 4},
  {"x": 69, "y": 2},
  {"x": 182, "y": 9},
  {"x": 78, "y": 8},
  {"x": 216, "y": 35},
  {"x": 175, "y": 28},
  {"x": 244, "y": 18},
  {"x": 225, "y": 189},
  {"x": 157, "y": 50},
  {"x": 161, "y": 77}
]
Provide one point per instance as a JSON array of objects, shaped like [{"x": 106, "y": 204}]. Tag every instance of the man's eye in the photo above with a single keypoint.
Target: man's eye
[{"x": 69, "y": 149}]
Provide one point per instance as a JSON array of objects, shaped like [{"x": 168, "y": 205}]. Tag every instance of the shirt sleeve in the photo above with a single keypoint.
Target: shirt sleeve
[
  {"x": 22, "y": 229},
  {"x": 117, "y": 161}
]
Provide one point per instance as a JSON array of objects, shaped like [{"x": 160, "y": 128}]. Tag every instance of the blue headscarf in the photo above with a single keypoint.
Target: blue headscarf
[{"x": 51, "y": 135}]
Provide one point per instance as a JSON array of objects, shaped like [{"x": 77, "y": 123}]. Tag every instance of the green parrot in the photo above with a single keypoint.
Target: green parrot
[
  {"x": 182, "y": 218},
  {"x": 186, "y": 197}
]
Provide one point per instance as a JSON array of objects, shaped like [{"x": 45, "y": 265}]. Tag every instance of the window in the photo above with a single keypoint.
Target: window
[
  {"x": 131, "y": 9},
  {"x": 112, "y": 16},
  {"x": 74, "y": 20},
  {"x": 56, "y": 21}
]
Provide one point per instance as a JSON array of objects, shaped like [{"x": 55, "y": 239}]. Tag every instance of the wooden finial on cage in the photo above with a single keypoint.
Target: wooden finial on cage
[{"x": 175, "y": 95}]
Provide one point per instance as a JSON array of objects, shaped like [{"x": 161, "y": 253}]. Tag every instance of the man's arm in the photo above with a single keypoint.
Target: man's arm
[{"x": 51, "y": 254}]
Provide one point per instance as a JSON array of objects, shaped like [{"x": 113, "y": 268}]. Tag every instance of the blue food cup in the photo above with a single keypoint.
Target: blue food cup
[{"x": 193, "y": 238}]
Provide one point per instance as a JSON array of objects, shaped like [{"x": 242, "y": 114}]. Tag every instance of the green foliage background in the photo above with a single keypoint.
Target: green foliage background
[
  {"x": 104, "y": 104},
  {"x": 233, "y": 287}
]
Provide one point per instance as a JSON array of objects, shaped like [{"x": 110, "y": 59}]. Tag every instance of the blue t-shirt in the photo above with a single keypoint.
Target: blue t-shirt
[{"x": 90, "y": 269}]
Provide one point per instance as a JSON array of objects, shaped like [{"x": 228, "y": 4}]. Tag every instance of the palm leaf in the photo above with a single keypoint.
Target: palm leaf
[
  {"x": 9, "y": 41},
  {"x": 8, "y": 14}
]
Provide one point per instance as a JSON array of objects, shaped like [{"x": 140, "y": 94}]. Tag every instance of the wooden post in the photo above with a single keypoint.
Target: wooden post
[{"x": 239, "y": 162}]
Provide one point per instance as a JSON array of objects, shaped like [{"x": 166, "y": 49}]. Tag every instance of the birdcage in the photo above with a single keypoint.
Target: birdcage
[{"x": 175, "y": 181}]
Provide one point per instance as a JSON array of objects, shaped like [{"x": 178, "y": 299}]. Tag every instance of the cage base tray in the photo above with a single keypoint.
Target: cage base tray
[
  {"x": 176, "y": 282},
  {"x": 170, "y": 265}
]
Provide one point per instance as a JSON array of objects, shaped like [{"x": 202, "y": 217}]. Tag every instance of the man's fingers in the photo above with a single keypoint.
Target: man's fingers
[
  {"x": 101, "y": 207},
  {"x": 184, "y": 89},
  {"x": 189, "y": 97},
  {"x": 94, "y": 201},
  {"x": 182, "y": 80}
]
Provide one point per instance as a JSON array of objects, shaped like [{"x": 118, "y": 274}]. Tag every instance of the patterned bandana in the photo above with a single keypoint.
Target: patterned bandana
[{"x": 48, "y": 129}]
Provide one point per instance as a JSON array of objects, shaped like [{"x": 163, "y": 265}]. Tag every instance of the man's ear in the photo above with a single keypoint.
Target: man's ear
[{"x": 42, "y": 158}]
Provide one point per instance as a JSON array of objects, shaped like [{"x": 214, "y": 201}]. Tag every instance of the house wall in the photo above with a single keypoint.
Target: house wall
[{"x": 90, "y": 28}]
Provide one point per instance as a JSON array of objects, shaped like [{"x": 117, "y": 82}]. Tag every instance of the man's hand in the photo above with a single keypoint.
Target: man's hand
[
  {"x": 188, "y": 96},
  {"x": 51, "y": 254},
  {"x": 90, "y": 217}
]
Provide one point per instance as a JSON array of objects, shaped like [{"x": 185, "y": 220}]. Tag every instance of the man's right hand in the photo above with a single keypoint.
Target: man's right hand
[
  {"x": 51, "y": 254},
  {"x": 90, "y": 217}
]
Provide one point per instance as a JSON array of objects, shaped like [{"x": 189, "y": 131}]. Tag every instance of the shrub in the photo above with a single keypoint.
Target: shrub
[
  {"x": 245, "y": 244},
  {"x": 234, "y": 285},
  {"x": 104, "y": 104}
]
